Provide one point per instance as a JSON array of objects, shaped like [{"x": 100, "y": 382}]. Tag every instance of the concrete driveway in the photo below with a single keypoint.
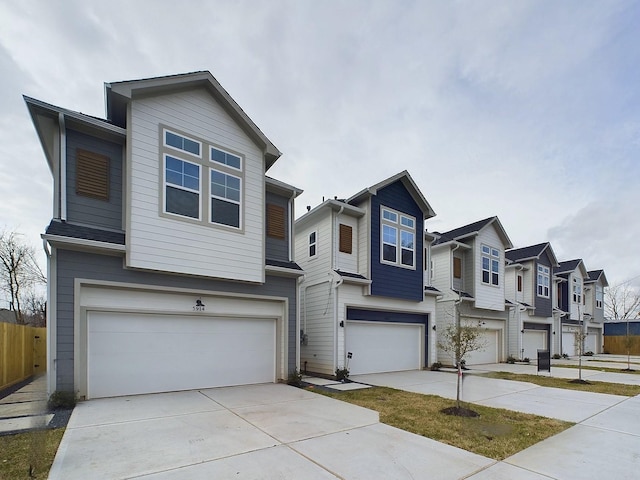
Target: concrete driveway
[{"x": 259, "y": 431}]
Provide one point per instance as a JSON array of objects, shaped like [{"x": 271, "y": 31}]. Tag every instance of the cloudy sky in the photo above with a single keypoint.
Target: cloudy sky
[{"x": 528, "y": 110}]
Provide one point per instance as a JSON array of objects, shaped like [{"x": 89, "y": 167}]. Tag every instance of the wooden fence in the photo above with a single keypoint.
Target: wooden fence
[
  {"x": 23, "y": 352},
  {"x": 617, "y": 345}
]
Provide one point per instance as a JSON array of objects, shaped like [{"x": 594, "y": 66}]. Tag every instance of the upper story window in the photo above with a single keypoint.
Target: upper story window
[
  {"x": 519, "y": 283},
  {"x": 194, "y": 184},
  {"x": 225, "y": 198},
  {"x": 398, "y": 239},
  {"x": 599, "y": 296},
  {"x": 313, "y": 244},
  {"x": 180, "y": 142},
  {"x": 577, "y": 290},
  {"x": 543, "y": 281},
  {"x": 490, "y": 265},
  {"x": 226, "y": 158},
  {"x": 182, "y": 187},
  {"x": 457, "y": 267}
]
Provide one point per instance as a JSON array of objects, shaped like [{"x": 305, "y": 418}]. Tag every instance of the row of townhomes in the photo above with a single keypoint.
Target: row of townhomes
[{"x": 175, "y": 263}]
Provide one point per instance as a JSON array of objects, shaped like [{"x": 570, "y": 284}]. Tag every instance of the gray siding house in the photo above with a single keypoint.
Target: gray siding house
[{"x": 170, "y": 251}]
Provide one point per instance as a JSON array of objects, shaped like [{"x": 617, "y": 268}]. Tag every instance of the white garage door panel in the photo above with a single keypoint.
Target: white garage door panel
[
  {"x": 568, "y": 343},
  {"x": 532, "y": 341},
  {"x": 592, "y": 340},
  {"x": 138, "y": 353},
  {"x": 489, "y": 352},
  {"x": 383, "y": 347}
]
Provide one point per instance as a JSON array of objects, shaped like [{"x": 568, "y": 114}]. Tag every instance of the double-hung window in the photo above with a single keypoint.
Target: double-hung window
[
  {"x": 599, "y": 296},
  {"x": 543, "y": 281},
  {"x": 313, "y": 244},
  {"x": 201, "y": 182},
  {"x": 490, "y": 265},
  {"x": 577, "y": 290},
  {"x": 398, "y": 238}
]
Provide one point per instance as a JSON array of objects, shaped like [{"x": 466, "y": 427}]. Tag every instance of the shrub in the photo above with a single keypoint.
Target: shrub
[
  {"x": 588, "y": 354},
  {"x": 511, "y": 359},
  {"x": 556, "y": 356},
  {"x": 435, "y": 366},
  {"x": 526, "y": 360},
  {"x": 60, "y": 400},
  {"x": 295, "y": 377},
  {"x": 342, "y": 374},
  {"x": 564, "y": 355}
]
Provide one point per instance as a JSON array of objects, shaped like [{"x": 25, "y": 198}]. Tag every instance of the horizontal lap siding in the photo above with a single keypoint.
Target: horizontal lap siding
[
  {"x": 87, "y": 210},
  {"x": 204, "y": 249},
  {"x": 390, "y": 280},
  {"x": 488, "y": 296},
  {"x": 72, "y": 265}
]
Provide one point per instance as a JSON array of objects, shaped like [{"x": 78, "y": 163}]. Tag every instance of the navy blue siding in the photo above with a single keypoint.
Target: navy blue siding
[
  {"x": 72, "y": 264},
  {"x": 277, "y": 249},
  {"x": 91, "y": 211},
  {"x": 544, "y": 306},
  {"x": 389, "y": 280},
  {"x": 392, "y": 317},
  {"x": 620, "y": 329}
]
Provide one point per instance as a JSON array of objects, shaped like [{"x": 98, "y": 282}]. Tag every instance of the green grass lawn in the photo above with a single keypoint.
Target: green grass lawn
[
  {"x": 496, "y": 433},
  {"x": 592, "y": 386},
  {"x": 28, "y": 455},
  {"x": 634, "y": 367}
]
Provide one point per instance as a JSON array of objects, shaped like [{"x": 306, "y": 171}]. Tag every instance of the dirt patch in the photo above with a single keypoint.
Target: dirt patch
[{"x": 460, "y": 412}]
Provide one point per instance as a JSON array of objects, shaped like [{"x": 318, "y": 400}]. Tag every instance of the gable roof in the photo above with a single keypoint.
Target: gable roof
[
  {"x": 565, "y": 268},
  {"x": 595, "y": 275},
  {"x": 118, "y": 95},
  {"x": 409, "y": 184},
  {"x": 472, "y": 230},
  {"x": 532, "y": 252}
]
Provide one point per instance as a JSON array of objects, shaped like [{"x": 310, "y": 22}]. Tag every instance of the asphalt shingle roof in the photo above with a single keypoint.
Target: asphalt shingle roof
[
  {"x": 462, "y": 232},
  {"x": 64, "y": 229},
  {"x": 526, "y": 252},
  {"x": 568, "y": 266}
]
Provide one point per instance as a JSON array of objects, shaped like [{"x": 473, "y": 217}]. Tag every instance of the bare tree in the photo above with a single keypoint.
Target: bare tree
[
  {"x": 19, "y": 270},
  {"x": 622, "y": 304},
  {"x": 34, "y": 309},
  {"x": 459, "y": 340}
]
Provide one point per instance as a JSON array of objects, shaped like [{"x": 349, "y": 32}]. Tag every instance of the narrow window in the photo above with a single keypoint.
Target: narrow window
[
  {"x": 457, "y": 267},
  {"x": 599, "y": 296},
  {"x": 577, "y": 291},
  {"x": 225, "y": 198},
  {"x": 276, "y": 221},
  {"x": 407, "y": 245},
  {"x": 520, "y": 283},
  {"x": 346, "y": 238},
  {"x": 313, "y": 243},
  {"x": 92, "y": 175},
  {"x": 182, "y": 187},
  {"x": 490, "y": 265},
  {"x": 389, "y": 243}
]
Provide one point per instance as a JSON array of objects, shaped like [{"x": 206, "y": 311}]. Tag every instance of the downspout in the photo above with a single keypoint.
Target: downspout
[
  {"x": 335, "y": 320},
  {"x": 63, "y": 167},
  {"x": 51, "y": 318},
  {"x": 290, "y": 217},
  {"x": 298, "y": 311}
]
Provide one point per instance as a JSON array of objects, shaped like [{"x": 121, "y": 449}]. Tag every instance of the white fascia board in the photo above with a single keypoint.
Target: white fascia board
[
  {"x": 282, "y": 271},
  {"x": 81, "y": 242}
]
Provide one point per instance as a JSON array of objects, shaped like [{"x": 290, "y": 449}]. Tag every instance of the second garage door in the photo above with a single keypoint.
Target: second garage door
[
  {"x": 532, "y": 341},
  {"x": 489, "y": 352},
  {"x": 379, "y": 347},
  {"x": 132, "y": 353}
]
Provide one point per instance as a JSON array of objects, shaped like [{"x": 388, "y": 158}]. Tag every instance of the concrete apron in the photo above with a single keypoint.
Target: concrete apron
[{"x": 257, "y": 431}]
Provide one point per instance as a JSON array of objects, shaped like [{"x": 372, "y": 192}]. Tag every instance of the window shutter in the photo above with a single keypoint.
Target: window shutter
[
  {"x": 345, "y": 238},
  {"x": 457, "y": 267},
  {"x": 276, "y": 221},
  {"x": 92, "y": 175}
]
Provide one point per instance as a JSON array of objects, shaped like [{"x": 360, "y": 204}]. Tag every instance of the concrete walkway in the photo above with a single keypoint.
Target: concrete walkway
[{"x": 26, "y": 408}]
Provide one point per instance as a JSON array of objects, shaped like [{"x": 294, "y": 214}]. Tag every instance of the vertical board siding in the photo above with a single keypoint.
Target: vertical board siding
[
  {"x": 317, "y": 323},
  {"x": 20, "y": 350},
  {"x": 73, "y": 264},
  {"x": 389, "y": 280},
  {"x": 166, "y": 244},
  {"x": 276, "y": 248},
  {"x": 87, "y": 210}
]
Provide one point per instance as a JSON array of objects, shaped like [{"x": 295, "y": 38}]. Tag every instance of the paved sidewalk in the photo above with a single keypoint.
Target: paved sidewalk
[{"x": 26, "y": 408}]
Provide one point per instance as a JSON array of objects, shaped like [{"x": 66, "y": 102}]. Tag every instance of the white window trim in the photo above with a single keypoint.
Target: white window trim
[
  {"x": 179, "y": 187},
  {"x": 213, "y": 147},
  {"x": 314, "y": 243},
  {"x": 224, "y": 199},
  {"x": 599, "y": 303},
  {"x": 165, "y": 144},
  {"x": 399, "y": 227},
  {"x": 576, "y": 286},
  {"x": 491, "y": 258},
  {"x": 543, "y": 271}
]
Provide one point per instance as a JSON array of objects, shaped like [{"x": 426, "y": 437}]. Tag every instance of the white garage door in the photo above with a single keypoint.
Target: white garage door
[
  {"x": 592, "y": 341},
  {"x": 144, "y": 353},
  {"x": 380, "y": 347},
  {"x": 532, "y": 341},
  {"x": 489, "y": 352},
  {"x": 569, "y": 343}
]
